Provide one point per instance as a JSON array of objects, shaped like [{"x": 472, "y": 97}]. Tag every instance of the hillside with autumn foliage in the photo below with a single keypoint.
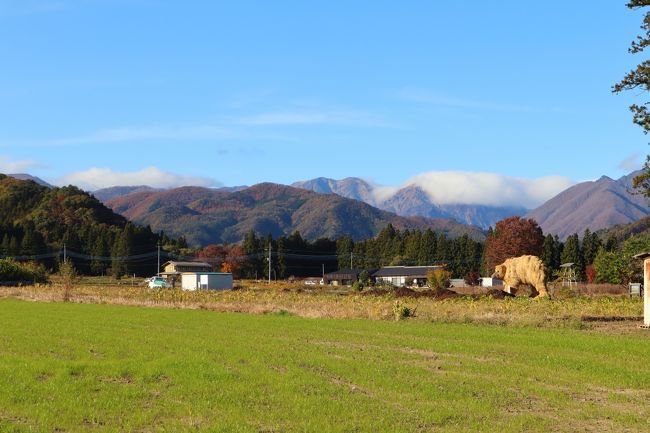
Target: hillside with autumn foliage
[
  {"x": 207, "y": 216},
  {"x": 37, "y": 221}
]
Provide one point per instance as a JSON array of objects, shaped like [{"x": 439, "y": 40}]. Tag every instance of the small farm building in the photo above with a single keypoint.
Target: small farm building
[
  {"x": 313, "y": 281},
  {"x": 457, "y": 282},
  {"x": 344, "y": 277},
  {"x": 206, "y": 281},
  {"x": 491, "y": 282},
  {"x": 180, "y": 267},
  {"x": 397, "y": 275}
]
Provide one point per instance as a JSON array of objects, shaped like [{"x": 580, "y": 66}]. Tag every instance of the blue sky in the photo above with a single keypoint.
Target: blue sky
[{"x": 240, "y": 92}]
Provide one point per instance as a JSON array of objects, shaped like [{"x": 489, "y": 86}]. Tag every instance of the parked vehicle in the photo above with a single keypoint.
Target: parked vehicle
[{"x": 158, "y": 283}]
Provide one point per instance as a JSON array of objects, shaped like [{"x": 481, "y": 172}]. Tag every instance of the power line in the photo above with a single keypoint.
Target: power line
[{"x": 66, "y": 252}]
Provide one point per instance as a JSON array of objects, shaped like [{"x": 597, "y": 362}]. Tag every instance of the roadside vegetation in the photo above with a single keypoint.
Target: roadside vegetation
[{"x": 569, "y": 308}]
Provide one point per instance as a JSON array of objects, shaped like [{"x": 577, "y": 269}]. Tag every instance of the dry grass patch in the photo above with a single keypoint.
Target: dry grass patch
[{"x": 618, "y": 314}]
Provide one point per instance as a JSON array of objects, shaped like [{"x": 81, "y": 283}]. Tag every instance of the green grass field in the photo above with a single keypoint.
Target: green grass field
[{"x": 74, "y": 367}]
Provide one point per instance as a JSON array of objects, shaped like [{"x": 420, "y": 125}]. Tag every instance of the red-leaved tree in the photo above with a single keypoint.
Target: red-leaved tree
[
  {"x": 224, "y": 258},
  {"x": 590, "y": 273},
  {"x": 512, "y": 237},
  {"x": 235, "y": 260},
  {"x": 214, "y": 254}
]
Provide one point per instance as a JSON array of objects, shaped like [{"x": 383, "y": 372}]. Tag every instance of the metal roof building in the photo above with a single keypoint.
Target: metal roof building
[
  {"x": 206, "y": 281},
  {"x": 397, "y": 275},
  {"x": 173, "y": 267},
  {"x": 344, "y": 277}
]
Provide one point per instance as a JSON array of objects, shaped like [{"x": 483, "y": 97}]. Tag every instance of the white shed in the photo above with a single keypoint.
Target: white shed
[
  {"x": 206, "y": 280},
  {"x": 491, "y": 282}
]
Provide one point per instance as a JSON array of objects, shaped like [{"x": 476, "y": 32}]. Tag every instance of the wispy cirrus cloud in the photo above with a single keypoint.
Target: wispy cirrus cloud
[
  {"x": 432, "y": 98},
  {"x": 17, "y": 8},
  {"x": 30, "y": 7},
  {"x": 97, "y": 178},
  {"x": 244, "y": 127},
  {"x": 307, "y": 117},
  {"x": 113, "y": 135}
]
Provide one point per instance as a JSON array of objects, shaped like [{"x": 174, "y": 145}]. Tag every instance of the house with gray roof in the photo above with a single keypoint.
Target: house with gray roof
[{"x": 398, "y": 275}]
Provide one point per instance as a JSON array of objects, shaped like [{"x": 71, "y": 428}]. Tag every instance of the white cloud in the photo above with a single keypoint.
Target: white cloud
[
  {"x": 492, "y": 189},
  {"x": 383, "y": 193},
  {"x": 96, "y": 178},
  {"x": 631, "y": 163},
  {"x": 9, "y": 166}
]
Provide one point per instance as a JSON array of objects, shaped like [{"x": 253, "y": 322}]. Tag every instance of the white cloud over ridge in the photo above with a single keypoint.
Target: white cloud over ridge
[
  {"x": 482, "y": 188},
  {"x": 97, "y": 178},
  {"x": 14, "y": 167},
  {"x": 442, "y": 187}
]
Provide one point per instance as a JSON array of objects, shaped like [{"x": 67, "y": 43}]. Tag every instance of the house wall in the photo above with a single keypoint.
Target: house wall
[
  {"x": 189, "y": 281},
  {"x": 395, "y": 281},
  {"x": 180, "y": 268},
  {"x": 457, "y": 282},
  {"x": 196, "y": 281},
  {"x": 340, "y": 282},
  {"x": 491, "y": 282}
]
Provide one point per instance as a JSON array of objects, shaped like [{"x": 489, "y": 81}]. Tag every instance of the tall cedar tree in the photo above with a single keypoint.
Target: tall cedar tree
[
  {"x": 639, "y": 78},
  {"x": 344, "y": 247},
  {"x": 552, "y": 253},
  {"x": 513, "y": 237},
  {"x": 572, "y": 253},
  {"x": 591, "y": 243}
]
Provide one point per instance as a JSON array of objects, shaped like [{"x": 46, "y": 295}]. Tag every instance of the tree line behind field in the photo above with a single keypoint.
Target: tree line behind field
[
  {"x": 36, "y": 223},
  {"x": 594, "y": 260}
]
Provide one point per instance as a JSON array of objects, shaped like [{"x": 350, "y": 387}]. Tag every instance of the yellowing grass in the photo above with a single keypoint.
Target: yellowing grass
[{"x": 321, "y": 302}]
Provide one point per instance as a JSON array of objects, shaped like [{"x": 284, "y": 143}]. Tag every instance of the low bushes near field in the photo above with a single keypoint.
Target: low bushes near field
[
  {"x": 344, "y": 303},
  {"x": 17, "y": 272}
]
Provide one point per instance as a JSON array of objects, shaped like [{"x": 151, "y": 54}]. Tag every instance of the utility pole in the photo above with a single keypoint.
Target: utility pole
[
  {"x": 323, "y": 270},
  {"x": 351, "y": 255},
  {"x": 158, "y": 268},
  {"x": 65, "y": 255},
  {"x": 270, "y": 262}
]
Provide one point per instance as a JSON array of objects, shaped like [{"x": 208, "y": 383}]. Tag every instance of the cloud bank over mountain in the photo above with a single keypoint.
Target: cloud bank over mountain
[
  {"x": 475, "y": 198},
  {"x": 483, "y": 188},
  {"x": 441, "y": 187},
  {"x": 96, "y": 178}
]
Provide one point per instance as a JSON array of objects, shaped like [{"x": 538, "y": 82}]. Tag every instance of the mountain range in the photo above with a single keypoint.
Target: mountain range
[
  {"x": 206, "y": 215},
  {"x": 595, "y": 205},
  {"x": 106, "y": 194},
  {"x": 25, "y": 176},
  {"x": 411, "y": 200}
]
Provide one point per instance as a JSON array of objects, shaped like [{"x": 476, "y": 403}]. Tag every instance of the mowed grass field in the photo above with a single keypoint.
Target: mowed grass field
[{"x": 107, "y": 368}]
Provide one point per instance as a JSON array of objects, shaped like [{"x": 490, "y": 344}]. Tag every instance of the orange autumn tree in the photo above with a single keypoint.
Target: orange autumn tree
[
  {"x": 213, "y": 254},
  {"x": 235, "y": 260},
  {"x": 224, "y": 258},
  {"x": 512, "y": 237}
]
